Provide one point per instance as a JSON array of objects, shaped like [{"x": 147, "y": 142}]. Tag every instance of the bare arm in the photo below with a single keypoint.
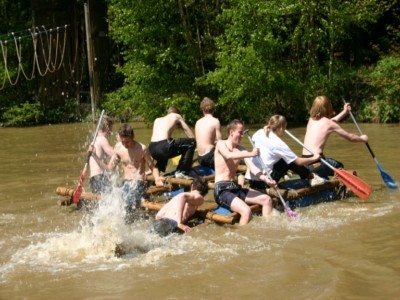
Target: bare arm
[
  {"x": 241, "y": 154},
  {"x": 258, "y": 173},
  {"x": 301, "y": 161},
  {"x": 185, "y": 127},
  {"x": 349, "y": 136},
  {"x": 114, "y": 161},
  {"x": 218, "y": 135},
  {"x": 107, "y": 148},
  {"x": 100, "y": 163},
  {"x": 343, "y": 113},
  {"x": 152, "y": 167}
]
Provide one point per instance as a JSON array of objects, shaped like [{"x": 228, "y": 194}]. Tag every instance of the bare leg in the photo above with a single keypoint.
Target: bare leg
[
  {"x": 239, "y": 206},
  {"x": 255, "y": 197}
]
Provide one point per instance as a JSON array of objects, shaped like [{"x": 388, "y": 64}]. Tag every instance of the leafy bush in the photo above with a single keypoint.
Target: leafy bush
[
  {"x": 23, "y": 114},
  {"x": 384, "y": 80},
  {"x": 63, "y": 114}
]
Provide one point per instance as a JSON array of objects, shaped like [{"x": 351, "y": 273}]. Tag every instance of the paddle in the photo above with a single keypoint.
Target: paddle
[
  {"x": 389, "y": 181},
  {"x": 291, "y": 214},
  {"x": 78, "y": 191},
  {"x": 354, "y": 183}
]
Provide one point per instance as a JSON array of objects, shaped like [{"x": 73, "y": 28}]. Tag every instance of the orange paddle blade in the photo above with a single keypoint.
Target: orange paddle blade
[
  {"x": 354, "y": 183},
  {"x": 77, "y": 194},
  {"x": 78, "y": 191}
]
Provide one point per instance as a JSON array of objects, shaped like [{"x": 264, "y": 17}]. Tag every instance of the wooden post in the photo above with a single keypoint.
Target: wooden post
[{"x": 90, "y": 60}]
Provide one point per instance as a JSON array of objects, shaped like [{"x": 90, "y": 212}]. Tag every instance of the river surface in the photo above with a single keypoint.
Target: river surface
[{"x": 347, "y": 249}]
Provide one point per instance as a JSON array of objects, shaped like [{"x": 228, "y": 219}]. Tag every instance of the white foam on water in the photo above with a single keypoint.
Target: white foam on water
[
  {"x": 6, "y": 218},
  {"x": 91, "y": 246}
]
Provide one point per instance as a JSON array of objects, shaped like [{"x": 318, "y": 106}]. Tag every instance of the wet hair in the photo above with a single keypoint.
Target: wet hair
[
  {"x": 276, "y": 122},
  {"x": 126, "y": 130},
  {"x": 173, "y": 109},
  {"x": 200, "y": 184},
  {"x": 321, "y": 107},
  {"x": 207, "y": 105},
  {"x": 233, "y": 124},
  {"x": 106, "y": 122}
]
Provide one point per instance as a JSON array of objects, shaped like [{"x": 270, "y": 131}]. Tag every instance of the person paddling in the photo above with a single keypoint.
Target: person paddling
[
  {"x": 276, "y": 155},
  {"x": 320, "y": 126},
  {"x": 101, "y": 151},
  {"x": 227, "y": 194}
]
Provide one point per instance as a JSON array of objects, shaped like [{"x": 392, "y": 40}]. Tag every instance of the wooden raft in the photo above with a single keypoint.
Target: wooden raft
[
  {"x": 181, "y": 182},
  {"x": 69, "y": 193},
  {"x": 206, "y": 213},
  {"x": 290, "y": 194}
]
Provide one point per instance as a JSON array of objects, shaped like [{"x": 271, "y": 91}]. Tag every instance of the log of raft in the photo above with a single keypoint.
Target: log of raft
[
  {"x": 291, "y": 194},
  {"x": 201, "y": 213},
  {"x": 181, "y": 182},
  {"x": 206, "y": 213},
  {"x": 69, "y": 193},
  {"x": 187, "y": 182}
]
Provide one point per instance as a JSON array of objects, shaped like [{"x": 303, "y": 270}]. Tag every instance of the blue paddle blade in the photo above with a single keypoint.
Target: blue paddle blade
[{"x": 389, "y": 181}]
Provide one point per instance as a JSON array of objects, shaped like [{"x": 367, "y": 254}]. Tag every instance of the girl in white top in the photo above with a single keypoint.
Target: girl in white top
[{"x": 276, "y": 155}]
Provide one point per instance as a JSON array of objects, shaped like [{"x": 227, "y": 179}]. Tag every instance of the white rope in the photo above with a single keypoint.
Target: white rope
[
  {"x": 63, "y": 48},
  {"x": 49, "y": 44},
  {"x": 52, "y": 60},
  {"x": 18, "y": 46},
  {"x": 6, "y": 72}
]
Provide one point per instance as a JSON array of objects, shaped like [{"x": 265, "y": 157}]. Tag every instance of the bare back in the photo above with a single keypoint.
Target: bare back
[
  {"x": 181, "y": 207},
  {"x": 164, "y": 126},
  {"x": 207, "y": 131},
  {"x": 318, "y": 132},
  {"x": 103, "y": 149}
]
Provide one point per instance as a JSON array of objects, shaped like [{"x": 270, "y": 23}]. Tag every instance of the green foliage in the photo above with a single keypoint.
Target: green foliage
[
  {"x": 23, "y": 114},
  {"x": 61, "y": 114},
  {"x": 166, "y": 46},
  {"x": 384, "y": 79},
  {"x": 26, "y": 114},
  {"x": 276, "y": 56},
  {"x": 254, "y": 58}
]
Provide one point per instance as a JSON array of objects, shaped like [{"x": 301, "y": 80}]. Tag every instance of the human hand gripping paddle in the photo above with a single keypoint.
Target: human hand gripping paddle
[
  {"x": 354, "y": 183},
  {"x": 389, "y": 181},
  {"x": 78, "y": 191},
  {"x": 291, "y": 214}
]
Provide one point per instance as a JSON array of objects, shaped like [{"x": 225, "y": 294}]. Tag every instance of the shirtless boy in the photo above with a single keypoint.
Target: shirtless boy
[
  {"x": 175, "y": 214},
  {"x": 163, "y": 147},
  {"x": 134, "y": 156},
  {"x": 228, "y": 154},
  {"x": 207, "y": 131},
  {"x": 99, "y": 179},
  {"x": 320, "y": 125}
]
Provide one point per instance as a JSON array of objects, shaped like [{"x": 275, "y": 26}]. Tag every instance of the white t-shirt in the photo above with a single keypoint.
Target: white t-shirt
[{"x": 272, "y": 149}]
